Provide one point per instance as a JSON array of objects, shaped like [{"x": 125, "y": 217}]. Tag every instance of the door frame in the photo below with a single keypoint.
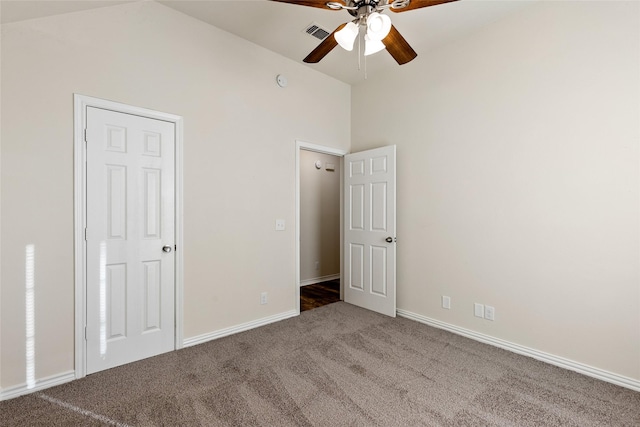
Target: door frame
[
  {"x": 80, "y": 104},
  {"x": 307, "y": 146}
]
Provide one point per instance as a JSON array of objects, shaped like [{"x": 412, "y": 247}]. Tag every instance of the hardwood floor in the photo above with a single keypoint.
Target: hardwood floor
[{"x": 319, "y": 294}]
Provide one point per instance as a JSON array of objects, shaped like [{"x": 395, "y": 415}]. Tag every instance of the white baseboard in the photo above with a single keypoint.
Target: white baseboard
[
  {"x": 633, "y": 384},
  {"x": 571, "y": 365},
  {"x": 320, "y": 279},
  {"x": 199, "y": 339},
  {"x": 41, "y": 384}
]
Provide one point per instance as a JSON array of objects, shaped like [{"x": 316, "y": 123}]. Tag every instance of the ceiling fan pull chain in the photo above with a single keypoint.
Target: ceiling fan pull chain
[
  {"x": 365, "y": 68},
  {"x": 359, "y": 55}
]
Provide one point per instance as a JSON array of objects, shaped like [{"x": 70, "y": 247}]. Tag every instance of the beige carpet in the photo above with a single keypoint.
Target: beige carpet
[{"x": 337, "y": 365}]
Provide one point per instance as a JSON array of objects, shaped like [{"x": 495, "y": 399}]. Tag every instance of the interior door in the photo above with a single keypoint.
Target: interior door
[
  {"x": 370, "y": 229},
  {"x": 130, "y": 238}
]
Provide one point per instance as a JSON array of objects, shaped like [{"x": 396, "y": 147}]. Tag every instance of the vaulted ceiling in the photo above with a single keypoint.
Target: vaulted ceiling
[{"x": 280, "y": 27}]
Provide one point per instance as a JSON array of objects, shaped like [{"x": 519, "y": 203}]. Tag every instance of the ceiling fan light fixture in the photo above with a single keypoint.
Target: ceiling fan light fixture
[
  {"x": 347, "y": 36},
  {"x": 372, "y": 46},
  {"x": 378, "y": 26}
]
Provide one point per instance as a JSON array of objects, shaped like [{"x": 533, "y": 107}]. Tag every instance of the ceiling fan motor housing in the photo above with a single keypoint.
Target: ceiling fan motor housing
[{"x": 359, "y": 8}]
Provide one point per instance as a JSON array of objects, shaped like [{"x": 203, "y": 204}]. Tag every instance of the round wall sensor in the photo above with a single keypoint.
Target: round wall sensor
[
  {"x": 281, "y": 80},
  {"x": 318, "y": 164}
]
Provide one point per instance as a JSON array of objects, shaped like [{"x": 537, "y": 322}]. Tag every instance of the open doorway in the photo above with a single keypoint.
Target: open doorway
[{"x": 319, "y": 225}]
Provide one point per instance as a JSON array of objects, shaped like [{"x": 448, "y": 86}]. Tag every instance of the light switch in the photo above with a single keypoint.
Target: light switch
[
  {"x": 478, "y": 309},
  {"x": 279, "y": 224}
]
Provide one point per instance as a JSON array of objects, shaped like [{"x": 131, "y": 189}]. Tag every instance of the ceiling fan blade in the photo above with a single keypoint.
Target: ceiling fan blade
[
  {"x": 322, "y": 4},
  {"x": 417, "y": 4},
  {"x": 398, "y": 47},
  {"x": 323, "y": 48}
]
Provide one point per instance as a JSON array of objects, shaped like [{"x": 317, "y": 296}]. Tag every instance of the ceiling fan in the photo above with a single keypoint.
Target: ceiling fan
[{"x": 368, "y": 14}]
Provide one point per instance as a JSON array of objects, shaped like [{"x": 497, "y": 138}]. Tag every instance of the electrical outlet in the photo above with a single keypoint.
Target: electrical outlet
[
  {"x": 446, "y": 302},
  {"x": 263, "y": 298},
  {"x": 478, "y": 310},
  {"x": 280, "y": 224},
  {"x": 489, "y": 312}
]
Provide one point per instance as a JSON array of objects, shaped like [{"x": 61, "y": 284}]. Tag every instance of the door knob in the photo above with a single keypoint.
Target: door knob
[
  {"x": 166, "y": 248},
  {"x": 389, "y": 240}
]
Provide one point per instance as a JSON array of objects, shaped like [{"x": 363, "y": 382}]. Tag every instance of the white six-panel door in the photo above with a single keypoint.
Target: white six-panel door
[
  {"x": 370, "y": 229},
  {"x": 130, "y": 218}
]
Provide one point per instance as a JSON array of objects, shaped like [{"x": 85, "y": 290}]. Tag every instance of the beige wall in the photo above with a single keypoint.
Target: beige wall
[
  {"x": 319, "y": 216},
  {"x": 518, "y": 179},
  {"x": 239, "y": 162}
]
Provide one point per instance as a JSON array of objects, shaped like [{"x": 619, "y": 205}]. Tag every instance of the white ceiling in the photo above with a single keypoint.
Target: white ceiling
[
  {"x": 279, "y": 26},
  {"x": 20, "y": 10}
]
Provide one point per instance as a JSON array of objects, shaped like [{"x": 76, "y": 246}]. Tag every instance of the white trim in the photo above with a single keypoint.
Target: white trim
[
  {"x": 559, "y": 361},
  {"x": 179, "y": 234},
  {"x": 80, "y": 104},
  {"x": 301, "y": 145},
  {"x": 321, "y": 279},
  {"x": 41, "y": 384},
  {"x": 200, "y": 339},
  {"x": 79, "y": 178}
]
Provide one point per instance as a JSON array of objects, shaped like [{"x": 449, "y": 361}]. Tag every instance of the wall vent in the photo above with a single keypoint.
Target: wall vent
[{"x": 316, "y": 31}]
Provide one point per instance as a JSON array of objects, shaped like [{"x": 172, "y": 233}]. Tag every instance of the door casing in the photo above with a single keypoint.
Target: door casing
[
  {"x": 81, "y": 102},
  {"x": 301, "y": 145}
]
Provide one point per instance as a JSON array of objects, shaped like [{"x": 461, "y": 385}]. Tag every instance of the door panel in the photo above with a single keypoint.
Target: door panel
[
  {"x": 130, "y": 217},
  {"x": 152, "y": 296},
  {"x": 356, "y": 266},
  {"x": 378, "y": 270},
  {"x": 116, "y": 301},
  {"x": 370, "y": 218},
  {"x": 357, "y": 207}
]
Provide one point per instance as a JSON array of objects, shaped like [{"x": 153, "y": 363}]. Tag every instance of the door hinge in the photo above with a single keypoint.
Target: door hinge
[
  {"x": 85, "y": 233},
  {"x": 175, "y": 247},
  {"x": 85, "y": 333},
  {"x": 85, "y": 135}
]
